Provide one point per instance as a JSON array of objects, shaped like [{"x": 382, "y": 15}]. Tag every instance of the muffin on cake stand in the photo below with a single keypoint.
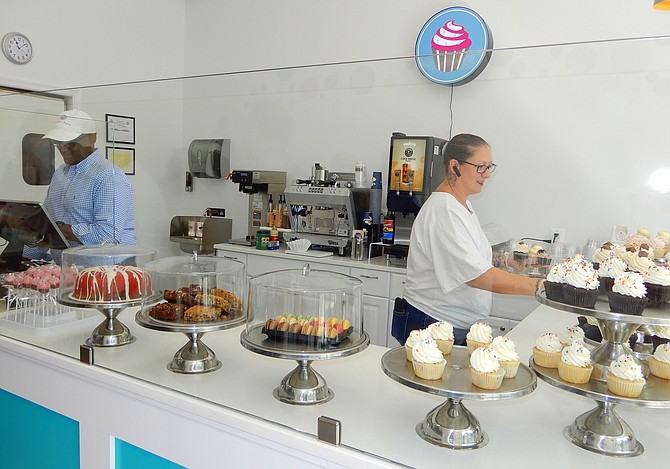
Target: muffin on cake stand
[
  {"x": 109, "y": 278},
  {"x": 202, "y": 294}
]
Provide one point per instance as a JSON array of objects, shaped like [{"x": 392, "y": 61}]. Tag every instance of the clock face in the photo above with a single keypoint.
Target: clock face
[{"x": 17, "y": 48}]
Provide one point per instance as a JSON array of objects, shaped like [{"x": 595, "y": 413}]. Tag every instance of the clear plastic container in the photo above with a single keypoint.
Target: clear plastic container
[
  {"x": 107, "y": 273},
  {"x": 306, "y": 307},
  {"x": 197, "y": 289}
]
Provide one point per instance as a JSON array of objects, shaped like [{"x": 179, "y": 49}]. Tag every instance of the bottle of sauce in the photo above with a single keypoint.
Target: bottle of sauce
[
  {"x": 388, "y": 228},
  {"x": 273, "y": 242},
  {"x": 270, "y": 212}
]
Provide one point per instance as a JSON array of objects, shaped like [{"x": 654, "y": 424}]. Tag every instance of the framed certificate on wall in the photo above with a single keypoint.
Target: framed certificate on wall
[
  {"x": 124, "y": 158},
  {"x": 120, "y": 129}
]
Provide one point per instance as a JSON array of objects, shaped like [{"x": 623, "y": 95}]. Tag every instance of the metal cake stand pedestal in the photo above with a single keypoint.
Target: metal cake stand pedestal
[
  {"x": 303, "y": 385},
  {"x": 194, "y": 357},
  {"x": 451, "y": 424},
  {"x": 111, "y": 332},
  {"x": 601, "y": 430}
]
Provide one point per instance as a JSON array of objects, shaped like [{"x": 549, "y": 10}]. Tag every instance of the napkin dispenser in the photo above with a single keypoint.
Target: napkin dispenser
[{"x": 209, "y": 158}]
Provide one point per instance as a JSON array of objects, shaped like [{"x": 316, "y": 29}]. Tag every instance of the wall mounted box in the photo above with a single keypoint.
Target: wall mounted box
[{"x": 209, "y": 158}]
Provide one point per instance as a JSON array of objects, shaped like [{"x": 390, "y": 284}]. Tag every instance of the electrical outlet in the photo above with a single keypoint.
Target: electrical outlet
[{"x": 557, "y": 235}]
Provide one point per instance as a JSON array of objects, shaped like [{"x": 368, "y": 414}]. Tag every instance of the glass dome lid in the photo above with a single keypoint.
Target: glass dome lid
[
  {"x": 314, "y": 308},
  {"x": 106, "y": 273},
  {"x": 197, "y": 289}
]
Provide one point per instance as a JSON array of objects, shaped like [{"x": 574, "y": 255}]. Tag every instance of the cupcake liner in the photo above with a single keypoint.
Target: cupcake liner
[
  {"x": 574, "y": 374},
  {"x": 474, "y": 345},
  {"x": 408, "y": 353},
  {"x": 658, "y": 368},
  {"x": 445, "y": 346},
  {"x": 624, "y": 387},
  {"x": 432, "y": 371},
  {"x": 491, "y": 380},
  {"x": 580, "y": 296},
  {"x": 546, "y": 359},
  {"x": 624, "y": 304},
  {"x": 510, "y": 367},
  {"x": 657, "y": 294},
  {"x": 553, "y": 290},
  {"x": 606, "y": 284},
  {"x": 448, "y": 61}
]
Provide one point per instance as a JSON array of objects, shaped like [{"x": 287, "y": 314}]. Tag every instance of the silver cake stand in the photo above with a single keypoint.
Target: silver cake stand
[
  {"x": 601, "y": 430},
  {"x": 303, "y": 385},
  {"x": 111, "y": 332},
  {"x": 451, "y": 424},
  {"x": 194, "y": 357}
]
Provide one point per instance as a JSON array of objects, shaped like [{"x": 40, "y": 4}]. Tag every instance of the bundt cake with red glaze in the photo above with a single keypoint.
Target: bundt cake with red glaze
[{"x": 111, "y": 283}]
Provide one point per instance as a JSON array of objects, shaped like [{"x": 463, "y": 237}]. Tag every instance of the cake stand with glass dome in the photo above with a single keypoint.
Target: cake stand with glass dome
[
  {"x": 201, "y": 294},
  {"x": 601, "y": 430},
  {"x": 109, "y": 278},
  {"x": 305, "y": 315},
  {"x": 451, "y": 424}
]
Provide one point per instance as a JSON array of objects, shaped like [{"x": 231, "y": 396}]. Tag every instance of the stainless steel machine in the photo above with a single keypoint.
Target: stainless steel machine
[
  {"x": 260, "y": 186},
  {"x": 326, "y": 209},
  {"x": 415, "y": 170}
]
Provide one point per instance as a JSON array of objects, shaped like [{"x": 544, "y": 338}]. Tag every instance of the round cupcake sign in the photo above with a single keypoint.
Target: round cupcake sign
[{"x": 453, "y": 47}]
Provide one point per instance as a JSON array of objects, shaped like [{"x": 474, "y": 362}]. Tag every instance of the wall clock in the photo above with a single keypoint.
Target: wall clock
[{"x": 17, "y": 48}]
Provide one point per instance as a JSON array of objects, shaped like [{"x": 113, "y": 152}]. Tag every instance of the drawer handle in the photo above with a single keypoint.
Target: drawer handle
[{"x": 370, "y": 277}]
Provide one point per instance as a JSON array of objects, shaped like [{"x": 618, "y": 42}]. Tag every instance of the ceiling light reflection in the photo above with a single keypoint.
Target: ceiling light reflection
[{"x": 659, "y": 180}]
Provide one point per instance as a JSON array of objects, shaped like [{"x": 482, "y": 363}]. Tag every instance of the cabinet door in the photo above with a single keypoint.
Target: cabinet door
[
  {"x": 375, "y": 319},
  {"x": 391, "y": 342},
  {"x": 375, "y": 282}
]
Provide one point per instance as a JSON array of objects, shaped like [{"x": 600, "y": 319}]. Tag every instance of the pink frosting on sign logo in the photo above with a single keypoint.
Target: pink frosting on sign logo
[{"x": 450, "y": 43}]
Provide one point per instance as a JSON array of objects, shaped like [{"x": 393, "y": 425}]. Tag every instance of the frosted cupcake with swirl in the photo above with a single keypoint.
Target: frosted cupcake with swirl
[
  {"x": 629, "y": 294},
  {"x": 657, "y": 281},
  {"x": 449, "y": 44}
]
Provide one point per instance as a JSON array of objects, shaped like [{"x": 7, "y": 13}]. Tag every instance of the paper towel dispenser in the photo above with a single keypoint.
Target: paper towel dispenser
[{"x": 209, "y": 158}]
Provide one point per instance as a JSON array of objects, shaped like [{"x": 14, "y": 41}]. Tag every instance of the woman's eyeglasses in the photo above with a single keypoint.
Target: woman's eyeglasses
[{"x": 482, "y": 168}]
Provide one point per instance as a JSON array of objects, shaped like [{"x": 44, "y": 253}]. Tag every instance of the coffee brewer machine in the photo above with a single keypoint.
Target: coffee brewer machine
[
  {"x": 326, "y": 209},
  {"x": 260, "y": 186},
  {"x": 415, "y": 170}
]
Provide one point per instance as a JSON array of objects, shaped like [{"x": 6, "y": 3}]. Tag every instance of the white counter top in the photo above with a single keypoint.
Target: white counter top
[
  {"x": 375, "y": 263},
  {"x": 378, "y": 415}
]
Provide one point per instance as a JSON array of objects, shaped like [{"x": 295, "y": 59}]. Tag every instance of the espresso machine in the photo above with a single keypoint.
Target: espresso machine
[
  {"x": 326, "y": 209},
  {"x": 416, "y": 168},
  {"x": 260, "y": 186}
]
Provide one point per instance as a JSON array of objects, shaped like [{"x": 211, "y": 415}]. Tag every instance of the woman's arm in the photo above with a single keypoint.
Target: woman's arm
[{"x": 499, "y": 281}]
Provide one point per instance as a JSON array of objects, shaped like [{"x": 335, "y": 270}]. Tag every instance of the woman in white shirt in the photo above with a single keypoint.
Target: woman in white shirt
[{"x": 450, "y": 276}]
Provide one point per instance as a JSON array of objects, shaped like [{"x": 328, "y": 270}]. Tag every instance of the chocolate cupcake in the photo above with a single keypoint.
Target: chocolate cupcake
[
  {"x": 657, "y": 281},
  {"x": 628, "y": 295},
  {"x": 581, "y": 284}
]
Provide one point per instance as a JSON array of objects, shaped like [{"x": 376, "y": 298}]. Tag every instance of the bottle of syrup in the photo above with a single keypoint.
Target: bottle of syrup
[
  {"x": 270, "y": 212},
  {"x": 388, "y": 228}
]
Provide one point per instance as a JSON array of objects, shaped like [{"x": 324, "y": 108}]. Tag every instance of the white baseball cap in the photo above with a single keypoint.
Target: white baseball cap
[{"x": 71, "y": 125}]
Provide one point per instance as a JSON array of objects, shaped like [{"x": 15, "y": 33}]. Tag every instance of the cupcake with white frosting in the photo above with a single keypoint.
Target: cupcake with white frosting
[
  {"x": 629, "y": 294},
  {"x": 581, "y": 284},
  {"x": 416, "y": 336},
  {"x": 547, "y": 350},
  {"x": 575, "y": 364},
  {"x": 657, "y": 281},
  {"x": 608, "y": 271},
  {"x": 479, "y": 335},
  {"x": 428, "y": 361},
  {"x": 443, "y": 334},
  {"x": 571, "y": 334},
  {"x": 659, "y": 362},
  {"x": 625, "y": 377},
  {"x": 485, "y": 368},
  {"x": 505, "y": 349}
]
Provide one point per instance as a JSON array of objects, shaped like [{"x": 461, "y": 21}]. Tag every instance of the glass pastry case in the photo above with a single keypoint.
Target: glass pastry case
[{"x": 305, "y": 315}]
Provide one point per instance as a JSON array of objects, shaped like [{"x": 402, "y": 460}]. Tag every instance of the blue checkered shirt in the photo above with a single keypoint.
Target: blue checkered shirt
[{"x": 96, "y": 198}]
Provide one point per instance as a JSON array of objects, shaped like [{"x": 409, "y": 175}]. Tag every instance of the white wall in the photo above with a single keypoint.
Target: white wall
[{"x": 577, "y": 130}]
